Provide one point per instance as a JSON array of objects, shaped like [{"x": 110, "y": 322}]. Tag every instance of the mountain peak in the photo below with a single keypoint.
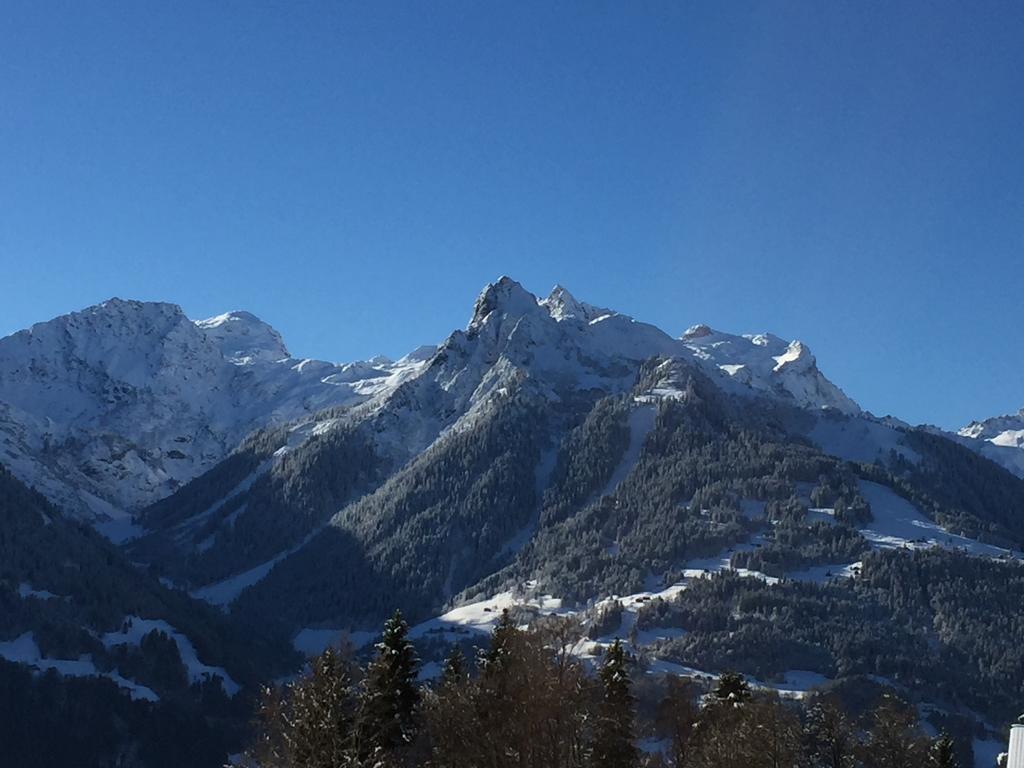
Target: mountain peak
[
  {"x": 506, "y": 296},
  {"x": 562, "y": 305},
  {"x": 698, "y": 331},
  {"x": 1007, "y": 430},
  {"x": 243, "y": 338}
]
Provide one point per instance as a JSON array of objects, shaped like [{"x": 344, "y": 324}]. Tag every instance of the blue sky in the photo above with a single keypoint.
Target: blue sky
[{"x": 850, "y": 174}]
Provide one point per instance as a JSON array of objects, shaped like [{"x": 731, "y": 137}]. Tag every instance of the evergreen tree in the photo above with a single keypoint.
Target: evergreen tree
[
  {"x": 731, "y": 687},
  {"x": 613, "y": 738},
  {"x": 387, "y": 720},
  {"x": 943, "y": 753},
  {"x": 496, "y": 658},
  {"x": 454, "y": 671}
]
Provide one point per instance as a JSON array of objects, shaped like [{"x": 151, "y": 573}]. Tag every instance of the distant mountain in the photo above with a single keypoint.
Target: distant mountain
[
  {"x": 559, "y": 354},
  {"x": 109, "y": 409},
  {"x": 1000, "y": 438},
  {"x": 1001, "y": 430}
]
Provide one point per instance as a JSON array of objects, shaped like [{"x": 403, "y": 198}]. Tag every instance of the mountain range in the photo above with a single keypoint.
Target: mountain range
[{"x": 714, "y": 497}]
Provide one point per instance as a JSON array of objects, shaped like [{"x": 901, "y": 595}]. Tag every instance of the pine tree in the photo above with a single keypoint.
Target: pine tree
[
  {"x": 495, "y": 659},
  {"x": 454, "y": 671},
  {"x": 613, "y": 738},
  {"x": 731, "y": 687},
  {"x": 943, "y": 753},
  {"x": 387, "y": 720}
]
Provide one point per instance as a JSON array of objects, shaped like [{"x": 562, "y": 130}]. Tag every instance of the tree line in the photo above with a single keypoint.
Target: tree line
[{"x": 528, "y": 701}]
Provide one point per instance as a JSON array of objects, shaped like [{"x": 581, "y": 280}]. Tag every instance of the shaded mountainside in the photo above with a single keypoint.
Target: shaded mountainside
[{"x": 144, "y": 674}]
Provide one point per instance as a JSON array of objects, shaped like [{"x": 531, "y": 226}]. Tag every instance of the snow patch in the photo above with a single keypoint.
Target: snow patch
[
  {"x": 24, "y": 650},
  {"x": 641, "y": 422},
  {"x": 898, "y": 523},
  {"x": 137, "y": 628},
  {"x": 26, "y": 591}
]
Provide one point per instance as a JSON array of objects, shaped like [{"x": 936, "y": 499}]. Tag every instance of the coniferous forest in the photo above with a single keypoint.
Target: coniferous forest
[{"x": 528, "y": 701}]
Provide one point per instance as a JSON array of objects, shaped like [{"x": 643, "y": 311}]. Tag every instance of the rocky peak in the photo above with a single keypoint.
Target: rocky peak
[
  {"x": 244, "y": 339},
  {"x": 505, "y": 297},
  {"x": 698, "y": 331}
]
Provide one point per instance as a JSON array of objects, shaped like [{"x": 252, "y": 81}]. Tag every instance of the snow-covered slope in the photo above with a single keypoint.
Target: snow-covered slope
[
  {"x": 111, "y": 408},
  {"x": 559, "y": 345},
  {"x": 1007, "y": 431},
  {"x": 1000, "y": 439}
]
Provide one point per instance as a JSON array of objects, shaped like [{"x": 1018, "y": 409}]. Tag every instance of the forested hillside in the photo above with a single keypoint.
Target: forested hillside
[{"x": 128, "y": 671}]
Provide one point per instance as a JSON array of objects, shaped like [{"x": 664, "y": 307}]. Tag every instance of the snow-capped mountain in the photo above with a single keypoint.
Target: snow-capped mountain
[
  {"x": 551, "y": 454},
  {"x": 111, "y": 408},
  {"x": 560, "y": 335},
  {"x": 1007, "y": 431},
  {"x": 463, "y": 479},
  {"x": 1000, "y": 439},
  {"x": 551, "y": 353}
]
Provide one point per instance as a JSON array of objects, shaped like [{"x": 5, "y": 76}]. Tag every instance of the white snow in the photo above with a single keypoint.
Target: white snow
[
  {"x": 479, "y": 617},
  {"x": 23, "y": 650},
  {"x": 860, "y": 439},
  {"x": 796, "y": 683},
  {"x": 109, "y": 409},
  {"x": 822, "y": 574},
  {"x": 26, "y": 590},
  {"x": 137, "y": 628},
  {"x": 703, "y": 566},
  {"x": 898, "y": 523},
  {"x": 1000, "y": 439},
  {"x": 1011, "y": 438}
]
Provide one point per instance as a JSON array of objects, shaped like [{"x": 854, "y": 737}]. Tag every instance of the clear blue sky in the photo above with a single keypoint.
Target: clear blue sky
[{"x": 850, "y": 174}]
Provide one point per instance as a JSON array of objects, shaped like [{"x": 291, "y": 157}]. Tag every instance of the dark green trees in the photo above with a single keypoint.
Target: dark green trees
[
  {"x": 613, "y": 737},
  {"x": 943, "y": 753},
  {"x": 386, "y": 726},
  {"x": 529, "y": 703},
  {"x": 732, "y": 688}
]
